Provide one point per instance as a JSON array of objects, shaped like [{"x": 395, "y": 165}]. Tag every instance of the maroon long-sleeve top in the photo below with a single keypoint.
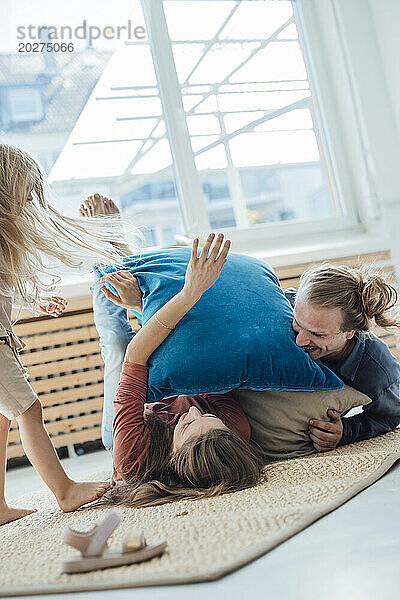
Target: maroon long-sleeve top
[{"x": 132, "y": 439}]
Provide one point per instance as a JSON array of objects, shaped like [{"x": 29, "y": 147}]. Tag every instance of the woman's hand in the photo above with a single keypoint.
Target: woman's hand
[
  {"x": 129, "y": 292},
  {"x": 54, "y": 305},
  {"x": 204, "y": 271}
]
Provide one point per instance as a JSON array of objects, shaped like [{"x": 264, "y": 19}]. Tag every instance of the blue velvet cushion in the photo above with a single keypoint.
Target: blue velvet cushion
[{"x": 239, "y": 334}]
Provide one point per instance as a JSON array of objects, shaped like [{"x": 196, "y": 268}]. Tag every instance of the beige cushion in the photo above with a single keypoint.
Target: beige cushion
[{"x": 279, "y": 420}]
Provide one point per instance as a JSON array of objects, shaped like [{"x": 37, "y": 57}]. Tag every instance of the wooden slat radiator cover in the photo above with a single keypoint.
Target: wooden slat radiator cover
[
  {"x": 66, "y": 371},
  {"x": 66, "y": 368}
]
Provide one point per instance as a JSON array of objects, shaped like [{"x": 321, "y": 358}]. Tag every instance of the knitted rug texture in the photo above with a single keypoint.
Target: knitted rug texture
[{"x": 206, "y": 538}]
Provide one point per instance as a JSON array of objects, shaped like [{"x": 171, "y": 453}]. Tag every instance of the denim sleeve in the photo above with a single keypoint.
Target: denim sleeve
[
  {"x": 381, "y": 416},
  {"x": 290, "y": 294}
]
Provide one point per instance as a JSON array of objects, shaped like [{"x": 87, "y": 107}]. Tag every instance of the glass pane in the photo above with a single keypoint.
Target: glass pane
[
  {"x": 256, "y": 144},
  {"x": 218, "y": 62},
  {"x": 93, "y": 117},
  {"x": 187, "y": 56},
  {"x": 257, "y": 20},
  {"x": 203, "y": 125},
  {"x": 197, "y": 19},
  {"x": 275, "y": 147},
  {"x": 279, "y": 61},
  {"x": 215, "y": 158},
  {"x": 155, "y": 158},
  {"x": 128, "y": 156},
  {"x": 289, "y": 33}
]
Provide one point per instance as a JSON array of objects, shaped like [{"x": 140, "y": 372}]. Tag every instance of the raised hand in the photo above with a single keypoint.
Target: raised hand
[
  {"x": 129, "y": 292},
  {"x": 203, "y": 271},
  {"x": 54, "y": 306}
]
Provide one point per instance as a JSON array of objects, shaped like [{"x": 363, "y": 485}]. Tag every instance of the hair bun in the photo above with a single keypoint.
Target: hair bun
[{"x": 377, "y": 297}]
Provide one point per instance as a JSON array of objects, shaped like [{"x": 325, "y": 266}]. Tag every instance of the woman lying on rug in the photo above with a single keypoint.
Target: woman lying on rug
[
  {"x": 182, "y": 447},
  {"x": 31, "y": 228}
]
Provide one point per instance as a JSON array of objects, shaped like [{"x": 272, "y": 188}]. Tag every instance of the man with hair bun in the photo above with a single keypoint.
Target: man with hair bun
[{"x": 333, "y": 309}]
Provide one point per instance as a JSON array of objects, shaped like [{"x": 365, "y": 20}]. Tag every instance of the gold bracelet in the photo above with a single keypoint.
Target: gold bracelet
[{"x": 162, "y": 324}]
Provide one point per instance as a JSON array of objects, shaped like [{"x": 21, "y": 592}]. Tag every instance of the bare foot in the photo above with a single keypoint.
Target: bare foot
[
  {"x": 98, "y": 205},
  {"x": 101, "y": 205},
  {"x": 79, "y": 494},
  {"x": 8, "y": 513}
]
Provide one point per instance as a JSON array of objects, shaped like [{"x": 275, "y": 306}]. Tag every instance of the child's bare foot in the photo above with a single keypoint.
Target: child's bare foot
[
  {"x": 98, "y": 205},
  {"x": 79, "y": 494},
  {"x": 101, "y": 205},
  {"x": 8, "y": 513}
]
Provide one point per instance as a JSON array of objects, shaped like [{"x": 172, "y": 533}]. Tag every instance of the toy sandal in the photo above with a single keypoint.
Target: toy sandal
[{"x": 94, "y": 550}]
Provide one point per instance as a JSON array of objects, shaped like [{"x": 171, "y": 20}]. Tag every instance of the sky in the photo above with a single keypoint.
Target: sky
[{"x": 16, "y": 13}]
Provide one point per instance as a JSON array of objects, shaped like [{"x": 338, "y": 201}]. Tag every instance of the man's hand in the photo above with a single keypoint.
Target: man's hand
[
  {"x": 54, "y": 305},
  {"x": 326, "y": 435},
  {"x": 129, "y": 292}
]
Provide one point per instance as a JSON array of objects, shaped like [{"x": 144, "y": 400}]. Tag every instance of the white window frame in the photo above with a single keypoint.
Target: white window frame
[{"x": 350, "y": 173}]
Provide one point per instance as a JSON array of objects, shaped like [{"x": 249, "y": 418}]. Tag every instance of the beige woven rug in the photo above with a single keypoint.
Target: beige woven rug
[{"x": 206, "y": 538}]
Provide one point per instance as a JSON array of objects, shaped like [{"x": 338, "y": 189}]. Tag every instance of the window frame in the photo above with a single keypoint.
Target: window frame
[{"x": 347, "y": 177}]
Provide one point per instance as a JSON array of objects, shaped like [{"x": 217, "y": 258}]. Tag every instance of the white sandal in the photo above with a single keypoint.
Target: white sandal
[{"x": 94, "y": 550}]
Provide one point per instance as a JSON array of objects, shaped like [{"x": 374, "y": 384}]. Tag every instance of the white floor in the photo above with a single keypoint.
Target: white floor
[{"x": 350, "y": 554}]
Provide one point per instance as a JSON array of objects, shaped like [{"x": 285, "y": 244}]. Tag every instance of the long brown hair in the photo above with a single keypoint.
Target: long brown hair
[
  {"x": 211, "y": 464},
  {"x": 361, "y": 293},
  {"x": 31, "y": 231}
]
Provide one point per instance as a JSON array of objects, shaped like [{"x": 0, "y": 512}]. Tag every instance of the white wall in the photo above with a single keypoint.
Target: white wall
[
  {"x": 386, "y": 19},
  {"x": 370, "y": 34}
]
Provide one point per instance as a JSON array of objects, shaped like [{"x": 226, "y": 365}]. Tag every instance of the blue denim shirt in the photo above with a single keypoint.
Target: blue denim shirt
[{"x": 373, "y": 370}]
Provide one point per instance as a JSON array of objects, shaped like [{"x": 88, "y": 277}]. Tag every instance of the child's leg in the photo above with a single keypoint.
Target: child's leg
[
  {"x": 115, "y": 334},
  {"x": 4, "y": 429},
  {"x": 17, "y": 399},
  {"x": 7, "y": 513},
  {"x": 40, "y": 451}
]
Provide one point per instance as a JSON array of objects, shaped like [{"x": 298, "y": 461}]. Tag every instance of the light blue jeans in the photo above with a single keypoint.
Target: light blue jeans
[{"x": 115, "y": 334}]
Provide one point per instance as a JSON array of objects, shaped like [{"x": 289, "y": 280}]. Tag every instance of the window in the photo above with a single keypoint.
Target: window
[
  {"x": 249, "y": 110},
  {"x": 119, "y": 146},
  {"x": 213, "y": 123},
  {"x": 25, "y": 104}
]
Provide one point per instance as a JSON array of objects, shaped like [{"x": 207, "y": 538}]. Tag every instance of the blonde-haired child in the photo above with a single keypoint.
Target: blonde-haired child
[{"x": 31, "y": 229}]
